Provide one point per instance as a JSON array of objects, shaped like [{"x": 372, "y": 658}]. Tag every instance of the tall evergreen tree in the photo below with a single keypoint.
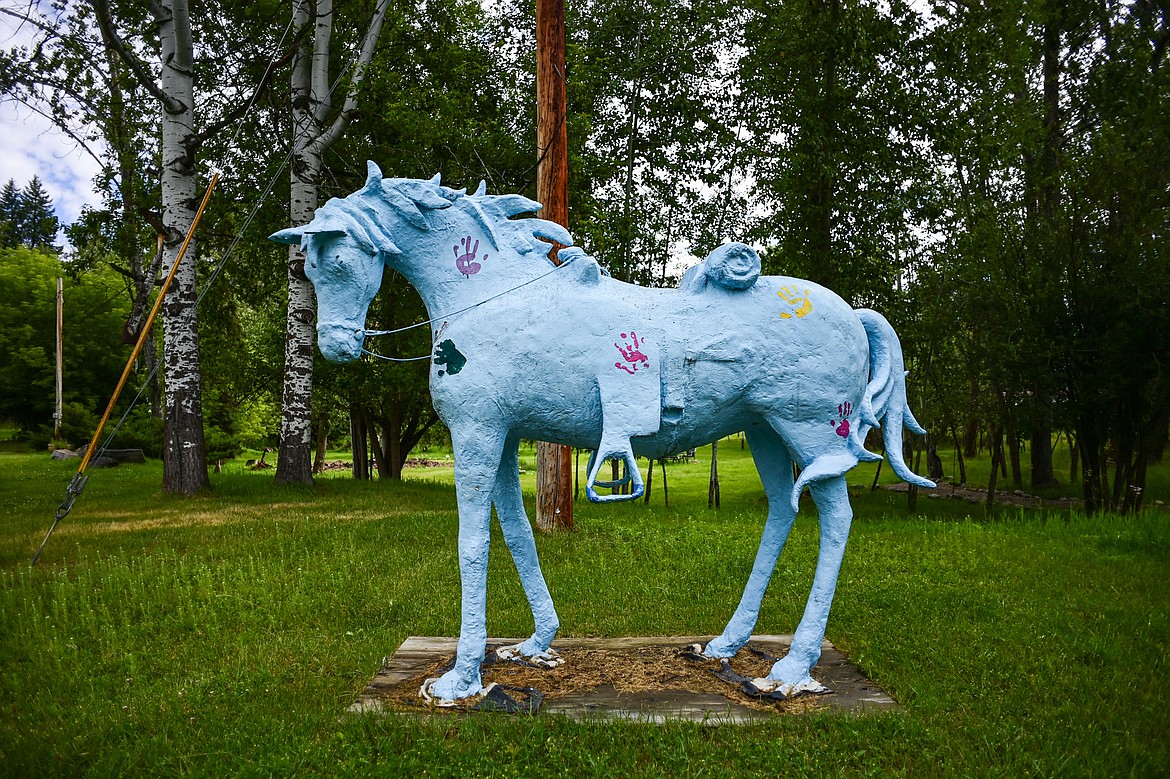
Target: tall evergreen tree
[
  {"x": 38, "y": 222},
  {"x": 9, "y": 215}
]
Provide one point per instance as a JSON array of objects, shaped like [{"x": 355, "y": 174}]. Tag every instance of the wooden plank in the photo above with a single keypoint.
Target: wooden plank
[{"x": 852, "y": 691}]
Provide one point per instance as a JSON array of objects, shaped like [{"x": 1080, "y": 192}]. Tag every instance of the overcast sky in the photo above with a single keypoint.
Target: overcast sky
[{"x": 31, "y": 146}]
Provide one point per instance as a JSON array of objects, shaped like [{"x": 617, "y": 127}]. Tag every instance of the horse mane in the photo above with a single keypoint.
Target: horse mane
[{"x": 364, "y": 214}]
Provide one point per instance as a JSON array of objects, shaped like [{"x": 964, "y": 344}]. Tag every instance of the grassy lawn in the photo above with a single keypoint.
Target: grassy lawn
[{"x": 226, "y": 634}]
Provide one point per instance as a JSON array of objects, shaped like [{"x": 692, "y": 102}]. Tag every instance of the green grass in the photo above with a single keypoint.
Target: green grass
[{"x": 226, "y": 634}]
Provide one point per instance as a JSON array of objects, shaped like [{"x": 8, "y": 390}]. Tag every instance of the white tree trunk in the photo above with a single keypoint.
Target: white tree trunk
[
  {"x": 184, "y": 450},
  {"x": 311, "y": 107},
  {"x": 294, "y": 465}
]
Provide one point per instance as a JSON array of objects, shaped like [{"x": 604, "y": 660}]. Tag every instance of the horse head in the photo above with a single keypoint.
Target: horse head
[
  {"x": 393, "y": 222},
  {"x": 345, "y": 269},
  {"x": 345, "y": 249}
]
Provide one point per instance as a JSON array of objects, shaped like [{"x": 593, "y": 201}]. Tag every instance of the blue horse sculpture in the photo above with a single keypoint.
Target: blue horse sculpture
[{"x": 524, "y": 348}]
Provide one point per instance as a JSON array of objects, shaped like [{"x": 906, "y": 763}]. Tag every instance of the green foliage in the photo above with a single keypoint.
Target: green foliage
[
  {"x": 141, "y": 431},
  {"x": 229, "y": 632},
  {"x": 221, "y": 445},
  {"x": 93, "y": 304},
  {"x": 836, "y": 142},
  {"x": 77, "y": 424},
  {"x": 656, "y": 143},
  {"x": 1043, "y": 293}
]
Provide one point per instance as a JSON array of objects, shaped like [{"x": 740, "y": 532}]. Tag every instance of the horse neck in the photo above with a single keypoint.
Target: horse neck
[{"x": 450, "y": 275}]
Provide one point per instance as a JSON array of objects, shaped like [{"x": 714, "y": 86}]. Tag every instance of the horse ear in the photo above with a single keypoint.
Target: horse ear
[
  {"x": 406, "y": 206},
  {"x": 511, "y": 205},
  {"x": 290, "y": 235},
  {"x": 542, "y": 228},
  {"x": 436, "y": 180},
  {"x": 373, "y": 177},
  {"x": 481, "y": 190},
  {"x": 426, "y": 196}
]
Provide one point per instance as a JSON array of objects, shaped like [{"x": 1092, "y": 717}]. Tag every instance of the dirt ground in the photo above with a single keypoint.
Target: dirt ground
[{"x": 946, "y": 489}]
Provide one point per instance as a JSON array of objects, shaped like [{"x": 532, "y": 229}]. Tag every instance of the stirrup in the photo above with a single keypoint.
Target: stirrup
[{"x": 633, "y": 475}]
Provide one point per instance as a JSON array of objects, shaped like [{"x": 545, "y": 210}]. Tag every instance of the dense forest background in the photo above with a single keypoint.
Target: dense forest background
[{"x": 994, "y": 177}]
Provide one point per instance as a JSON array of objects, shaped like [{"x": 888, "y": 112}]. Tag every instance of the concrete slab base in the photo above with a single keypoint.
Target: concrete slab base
[{"x": 394, "y": 689}]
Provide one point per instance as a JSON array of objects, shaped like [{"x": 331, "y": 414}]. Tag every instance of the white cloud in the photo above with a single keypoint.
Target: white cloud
[{"x": 32, "y": 146}]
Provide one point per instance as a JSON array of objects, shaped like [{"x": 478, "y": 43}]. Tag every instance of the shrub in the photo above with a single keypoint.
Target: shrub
[
  {"x": 142, "y": 431},
  {"x": 77, "y": 424}
]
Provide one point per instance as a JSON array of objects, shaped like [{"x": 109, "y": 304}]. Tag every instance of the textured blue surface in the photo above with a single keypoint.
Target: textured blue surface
[{"x": 526, "y": 349}]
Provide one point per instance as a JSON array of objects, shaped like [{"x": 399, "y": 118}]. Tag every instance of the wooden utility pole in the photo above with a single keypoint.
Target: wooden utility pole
[
  {"x": 554, "y": 463},
  {"x": 60, "y": 355}
]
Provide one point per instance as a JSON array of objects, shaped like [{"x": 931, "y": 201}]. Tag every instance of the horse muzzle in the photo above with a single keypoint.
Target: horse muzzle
[{"x": 339, "y": 341}]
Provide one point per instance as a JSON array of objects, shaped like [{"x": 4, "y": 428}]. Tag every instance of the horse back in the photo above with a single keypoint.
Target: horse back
[{"x": 698, "y": 365}]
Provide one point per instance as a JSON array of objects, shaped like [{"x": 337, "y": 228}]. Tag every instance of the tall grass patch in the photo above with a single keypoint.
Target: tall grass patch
[{"x": 227, "y": 634}]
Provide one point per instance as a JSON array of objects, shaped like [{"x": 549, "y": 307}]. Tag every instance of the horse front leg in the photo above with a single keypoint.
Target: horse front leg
[
  {"x": 775, "y": 467},
  {"x": 477, "y": 450},
  {"x": 521, "y": 543},
  {"x": 791, "y": 673}
]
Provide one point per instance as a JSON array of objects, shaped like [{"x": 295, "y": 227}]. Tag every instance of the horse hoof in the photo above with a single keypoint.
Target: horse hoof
[
  {"x": 547, "y": 659},
  {"x": 717, "y": 650},
  {"x": 448, "y": 689},
  {"x": 807, "y": 686}
]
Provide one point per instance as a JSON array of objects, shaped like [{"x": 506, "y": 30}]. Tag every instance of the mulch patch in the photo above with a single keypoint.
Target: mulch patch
[{"x": 628, "y": 670}]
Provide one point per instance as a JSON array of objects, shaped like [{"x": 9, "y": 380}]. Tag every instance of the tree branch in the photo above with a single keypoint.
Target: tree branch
[
  {"x": 319, "y": 88},
  {"x": 369, "y": 42},
  {"x": 67, "y": 129},
  {"x": 142, "y": 75},
  {"x": 26, "y": 19},
  {"x": 241, "y": 110}
]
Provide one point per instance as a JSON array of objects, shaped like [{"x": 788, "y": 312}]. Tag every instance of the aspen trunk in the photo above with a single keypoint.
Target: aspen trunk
[
  {"x": 293, "y": 465},
  {"x": 184, "y": 449},
  {"x": 312, "y": 108}
]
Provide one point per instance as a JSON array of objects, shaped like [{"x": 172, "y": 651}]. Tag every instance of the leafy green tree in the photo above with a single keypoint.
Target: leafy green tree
[
  {"x": 1037, "y": 108},
  {"x": 151, "y": 136},
  {"x": 835, "y": 142},
  {"x": 654, "y": 84},
  {"x": 94, "y": 309}
]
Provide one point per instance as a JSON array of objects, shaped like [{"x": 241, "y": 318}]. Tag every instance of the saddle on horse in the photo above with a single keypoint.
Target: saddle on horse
[{"x": 631, "y": 380}]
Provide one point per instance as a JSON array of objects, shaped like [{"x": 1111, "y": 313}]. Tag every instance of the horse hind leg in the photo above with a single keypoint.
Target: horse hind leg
[
  {"x": 521, "y": 543},
  {"x": 791, "y": 674},
  {"x": 775, "y": 466}
]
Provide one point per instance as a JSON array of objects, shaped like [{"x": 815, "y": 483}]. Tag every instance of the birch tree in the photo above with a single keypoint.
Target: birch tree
[
  {"x": 184, "y": 449},
  {"x": 316, "y": 127}
]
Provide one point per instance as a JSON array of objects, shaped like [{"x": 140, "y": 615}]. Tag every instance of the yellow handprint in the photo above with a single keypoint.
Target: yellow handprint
[{"x": 801, "y": 304}]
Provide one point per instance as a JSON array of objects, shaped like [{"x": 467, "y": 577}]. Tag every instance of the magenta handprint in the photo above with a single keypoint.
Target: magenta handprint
[
  {"x": 842, "y": 427},
  {"x": 465, "y": 262},
  {"x": 632, "y": 354}
]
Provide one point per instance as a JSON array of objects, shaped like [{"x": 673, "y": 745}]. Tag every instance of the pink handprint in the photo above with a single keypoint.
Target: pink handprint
[
  {"x": 632, "y": 354},
  {"x": 842, "y": 427},
  {"x": 465, "y": 262}
]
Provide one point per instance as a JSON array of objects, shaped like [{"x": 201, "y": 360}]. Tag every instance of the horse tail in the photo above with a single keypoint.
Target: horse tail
[
  {"x": 884, "y": 400},
  {"x": 884, "y": 404}
]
